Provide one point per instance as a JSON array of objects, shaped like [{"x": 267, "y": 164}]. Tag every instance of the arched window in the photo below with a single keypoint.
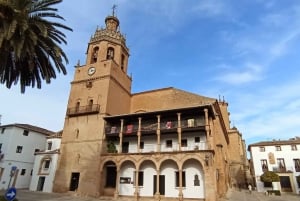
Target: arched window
[
  {"x": 90, "y": 106},
  {"x": 95, "y": 55},
  {"x": 77, "y": 106},
  {"x": 110, "y": 53},
  {"x": 45, "y": 165},
  {"x": 122, "y": 62}
]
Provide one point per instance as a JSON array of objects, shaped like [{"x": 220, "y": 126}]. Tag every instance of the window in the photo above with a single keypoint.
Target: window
[
  {"x": 297, "y": 164},
  {"x": 49, "y": 147},
  {"x": 36, "y": 150},
  {"x": 31, "y": 172},
  {"x": 46, "y": 164},
  {"x": 122, "y": 61},
  {"x": 184, "y": 143},
  {"x": 110, "y": 53},
  {"x": 294, "y": 147},
  {"x": 278, "y": 148},
  {"x": 141, "y": 145},
  {"x": 90, "y": 107},
  {"x": 177, "y": 179},
  {"x": 281, "y": 164},
  {"x": 191, "y": 123},
  {"x": 125, "y": 147},
  {"x": 23, "y": 171},
  {"x": 95, "y": 55},
  {"x": 2, "y": 130},
  {"x": 169, "y": 143},
  {"x": 264, "y": 164},
  {"x": 197, "y": 139},
  {"x": 77, "y": 106},
  {"x": 262, "y": 149},
  {"x": 25, "y": 132},
  {"x": 19, "y": 149},
  {"x": 0, "y": 146}
]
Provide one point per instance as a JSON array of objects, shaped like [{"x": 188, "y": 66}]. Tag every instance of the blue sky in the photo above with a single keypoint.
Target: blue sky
[{"x": 246, "y": 51}]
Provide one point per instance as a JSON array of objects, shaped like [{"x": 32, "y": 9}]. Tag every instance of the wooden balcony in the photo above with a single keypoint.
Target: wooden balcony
[
  {"x": 83, "y": 110},
  {"x": 150, "y": 128}
]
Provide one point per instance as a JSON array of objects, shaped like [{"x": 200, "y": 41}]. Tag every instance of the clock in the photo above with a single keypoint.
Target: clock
[{"x": 91, "y": 70}]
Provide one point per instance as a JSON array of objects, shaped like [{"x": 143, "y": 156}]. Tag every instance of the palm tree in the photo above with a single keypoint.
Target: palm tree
[{"x": 29, "y": 42}]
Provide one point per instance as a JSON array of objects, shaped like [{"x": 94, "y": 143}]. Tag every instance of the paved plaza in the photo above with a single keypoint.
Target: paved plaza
[{"x": 232, "y": 195}]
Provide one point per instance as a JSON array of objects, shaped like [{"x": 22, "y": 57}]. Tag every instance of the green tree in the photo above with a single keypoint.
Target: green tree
[
  {"x": 269, "y": 176},
  {"x": 30, "y": 43}
]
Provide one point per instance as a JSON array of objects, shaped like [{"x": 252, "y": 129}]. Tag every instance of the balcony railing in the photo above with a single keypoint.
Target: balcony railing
[
  {"x": 282, "y": 169},
  {"x": 151, "y": 127},
  {"x": 83, "y": 110}
]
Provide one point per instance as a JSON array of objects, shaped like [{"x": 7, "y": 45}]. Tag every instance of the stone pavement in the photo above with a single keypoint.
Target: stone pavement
[
  {"x": 244, "y": 195},
  {"x": 232, "y": 195}
]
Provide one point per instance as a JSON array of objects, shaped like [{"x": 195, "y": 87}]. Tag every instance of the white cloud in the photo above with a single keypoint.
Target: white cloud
[
  {"x": 251, "y": 72},
  {"x": 268, "y": 112}
]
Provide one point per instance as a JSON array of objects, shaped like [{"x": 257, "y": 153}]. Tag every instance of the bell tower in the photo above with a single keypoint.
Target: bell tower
[{"x": 100, "y": 87}]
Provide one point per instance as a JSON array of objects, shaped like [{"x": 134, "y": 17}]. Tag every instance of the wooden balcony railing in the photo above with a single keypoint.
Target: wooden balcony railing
[
  {"x": 83, "y": 110},
  {"x": 151, "y": 127}
]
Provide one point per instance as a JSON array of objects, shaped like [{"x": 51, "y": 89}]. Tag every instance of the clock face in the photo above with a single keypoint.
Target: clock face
[{"x": 91, "y": 70}]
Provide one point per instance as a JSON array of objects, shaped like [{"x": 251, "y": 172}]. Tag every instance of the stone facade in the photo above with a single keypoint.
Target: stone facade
[{"x": 165, "y": 143}]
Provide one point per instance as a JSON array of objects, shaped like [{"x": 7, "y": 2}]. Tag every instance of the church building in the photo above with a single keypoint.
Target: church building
[{"x": 163, "y": 144}]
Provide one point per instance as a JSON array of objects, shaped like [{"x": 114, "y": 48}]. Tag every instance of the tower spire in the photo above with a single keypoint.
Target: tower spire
[{"x": 114, "y": 7}]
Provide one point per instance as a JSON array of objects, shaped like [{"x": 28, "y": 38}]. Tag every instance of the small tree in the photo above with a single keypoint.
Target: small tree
[
  {"x": 270, "y": 177},
  {"x": 111, "y": 147}
]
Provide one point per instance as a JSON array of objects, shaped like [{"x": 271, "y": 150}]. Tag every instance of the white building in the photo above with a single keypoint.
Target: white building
[
  {"x": 18, "y": 144},
  {"x": 281, "y": 157},
  {"x": 45, "y": 165}
]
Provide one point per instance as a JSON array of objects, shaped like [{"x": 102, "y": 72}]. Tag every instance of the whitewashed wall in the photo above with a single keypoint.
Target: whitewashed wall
[
  {"x": 49, "y": 178},
  {"x": 285, "y": 153},
  {"x": 11, "y": 138}
]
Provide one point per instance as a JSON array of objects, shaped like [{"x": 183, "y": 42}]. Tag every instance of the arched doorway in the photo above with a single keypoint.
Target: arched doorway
[{"x": 110, "y": 175}]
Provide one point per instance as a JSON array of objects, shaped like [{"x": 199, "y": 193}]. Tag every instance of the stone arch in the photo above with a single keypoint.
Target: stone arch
[
  {"x": 127, "y": 176},
  {"x": 168, "y": 169},
  {"x": 195, "y": 178},
  {"x": 148, "y": 168},
  {"x": 94, "y": 55},
  {"x": 108, "y": 177}
]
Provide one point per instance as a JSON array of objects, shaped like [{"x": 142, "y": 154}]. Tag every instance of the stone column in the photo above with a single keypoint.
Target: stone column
[
  {"x": 116, "y": 195},
  {"x": 139, "y": 135},
  {"x": 207, "y": 129},
  {"x": 121, "y": 136},
  {"x": 136, "y": 181},
  {"x": 157, "y": 194},
  {"x": 206, "y": 122},
  {"x": 180, "y": 195},
  {"x": 158, "y": 147},
  {"x": 179, "y": 130}
]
